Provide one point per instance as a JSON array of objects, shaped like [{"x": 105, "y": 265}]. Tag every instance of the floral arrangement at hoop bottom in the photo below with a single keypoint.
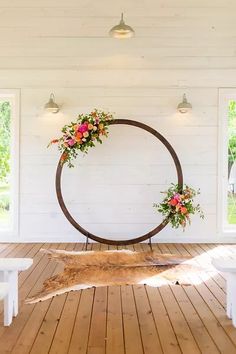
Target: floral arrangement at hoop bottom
[
  {"x": 82, "y": 134},
  {"x": 178, "y": 205}
]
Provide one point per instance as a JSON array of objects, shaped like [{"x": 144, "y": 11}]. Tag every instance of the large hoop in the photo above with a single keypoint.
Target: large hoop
[{"x": 141, "y": 238}]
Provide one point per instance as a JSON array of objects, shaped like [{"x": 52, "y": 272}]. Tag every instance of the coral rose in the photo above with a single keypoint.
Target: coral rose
[
  {"x": 183, "y": 210},
  {"x": 90, "y": 127},
  {"x": 173, "y": 202},
  {"x": 79, "y": 135},
  {"x": 54, "y": 141},
  {"x": 77, "y": 139}
]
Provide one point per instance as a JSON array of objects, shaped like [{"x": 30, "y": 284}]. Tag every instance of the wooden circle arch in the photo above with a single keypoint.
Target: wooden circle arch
[{"x": 141, "y": 238}]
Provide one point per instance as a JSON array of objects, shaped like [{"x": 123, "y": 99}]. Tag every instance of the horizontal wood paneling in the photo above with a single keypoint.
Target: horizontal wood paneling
[
  {"x": 63, "y": 47},
  {"x": 115, "y": 185},
  {"x": 149, "y": 61},
  {"x": 118, "y": 78}
]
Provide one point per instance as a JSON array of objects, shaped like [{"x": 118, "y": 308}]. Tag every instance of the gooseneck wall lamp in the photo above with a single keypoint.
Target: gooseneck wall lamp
[
  {"x": 184, "y": 106},
  {"x": 51, "y": 106}
]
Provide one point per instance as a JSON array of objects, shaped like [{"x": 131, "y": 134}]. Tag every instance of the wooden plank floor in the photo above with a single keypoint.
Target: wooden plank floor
[{"x": 121, "y": 320}]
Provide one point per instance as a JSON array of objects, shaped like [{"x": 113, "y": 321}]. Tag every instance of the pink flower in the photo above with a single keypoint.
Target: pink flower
[
  {"x": 177, "y": 197},
  {"x": 83, "y": 128},
  {"x": 71, "y": 142}
]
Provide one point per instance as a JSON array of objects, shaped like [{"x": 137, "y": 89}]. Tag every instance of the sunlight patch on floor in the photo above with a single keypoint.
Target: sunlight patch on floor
[{"x": 201, "y": 271}]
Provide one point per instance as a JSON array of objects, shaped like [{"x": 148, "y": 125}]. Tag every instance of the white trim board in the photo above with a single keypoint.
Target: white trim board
[
  {"x": 44, "y": 239},
  {"x": 13, "y": 96},
  {"x": 225, "y": 231}
]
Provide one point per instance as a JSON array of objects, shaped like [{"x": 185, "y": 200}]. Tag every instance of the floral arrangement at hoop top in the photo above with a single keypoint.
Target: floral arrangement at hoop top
[
  {"x": 82, "y": 134},
  {"x": 89, "y": 128},
  {"x": 178, "y": 205}
]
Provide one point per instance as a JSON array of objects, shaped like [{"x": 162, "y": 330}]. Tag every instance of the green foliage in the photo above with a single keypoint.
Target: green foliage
[
  {"x": 231, "y": 134},
  {"x": 5, "y": 115},
  {"x": 4, "y": 202},
  {"x": 4, "y": 206},
  {"x": 231, "y": 209},
  {"x": 232, "y": 149},
  {"x": 232, "y": 115}
]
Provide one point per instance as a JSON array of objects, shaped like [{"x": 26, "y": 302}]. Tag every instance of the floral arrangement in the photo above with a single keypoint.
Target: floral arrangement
[
  {"x": 82, "y": 134},
  {"x": 178, "y": 205}
]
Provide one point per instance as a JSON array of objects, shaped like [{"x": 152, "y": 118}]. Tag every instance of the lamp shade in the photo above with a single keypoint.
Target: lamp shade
[
  {"x": 51, "y": 106},
  {"x": 122, "y": 30},
  {"x": 184, "y": 106}
]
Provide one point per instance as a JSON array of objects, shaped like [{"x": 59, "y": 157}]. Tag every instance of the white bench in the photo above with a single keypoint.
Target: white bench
[
  {"x": 228, "y": 266},
  {"x": 9, "y": 268}
]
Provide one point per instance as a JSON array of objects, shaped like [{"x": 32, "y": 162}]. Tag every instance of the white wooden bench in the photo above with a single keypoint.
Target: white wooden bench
[
  {"x": 9, "y": 268},
  {"x": 228, "y": 266}
]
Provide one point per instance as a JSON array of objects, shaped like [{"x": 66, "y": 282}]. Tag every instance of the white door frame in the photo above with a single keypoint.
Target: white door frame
[
  {"x": 13, "y": 96},
  {"x": 226, "y": 231}
]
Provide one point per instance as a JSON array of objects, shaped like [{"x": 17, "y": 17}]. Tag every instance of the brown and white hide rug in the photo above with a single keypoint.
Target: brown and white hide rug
[{"x": 83, "y": 270}]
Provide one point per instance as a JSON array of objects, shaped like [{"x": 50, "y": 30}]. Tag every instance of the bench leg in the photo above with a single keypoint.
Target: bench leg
[
  {"x": 233, "y": 299},
  {"x": 8, "y": 309},
  {"x": 229, "y": 296},
  {"x": 11, "y": 300}
]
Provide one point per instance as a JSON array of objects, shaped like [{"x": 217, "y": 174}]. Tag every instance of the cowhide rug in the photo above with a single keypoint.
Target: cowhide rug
[{"x": 83, "y": 270}]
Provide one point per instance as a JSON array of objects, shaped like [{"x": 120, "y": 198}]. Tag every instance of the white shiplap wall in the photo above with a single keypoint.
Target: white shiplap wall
[{"x": 63, "y": 47}]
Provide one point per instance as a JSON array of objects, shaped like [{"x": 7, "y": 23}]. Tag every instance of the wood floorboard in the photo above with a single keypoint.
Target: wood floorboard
[
  {"x": 25, "y": 325},
  {"x": 43, "y": 340},
  {"x": 199, "y": 331},
  {"x": 121, "y": 320},
  {"x": 185, "y": 337},
  {"x": 211, "y": 312},
  {"x": 215, "y": 252},
  {"x": 61, "y": 339},
  {"x": 115, "y": 324},
  {"x": 150, "y": 336}
]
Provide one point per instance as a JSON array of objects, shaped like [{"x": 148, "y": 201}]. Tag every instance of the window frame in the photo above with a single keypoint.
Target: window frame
[
  {"x": 13, "y": 96},
  {"x": 224, "y": 228}
]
